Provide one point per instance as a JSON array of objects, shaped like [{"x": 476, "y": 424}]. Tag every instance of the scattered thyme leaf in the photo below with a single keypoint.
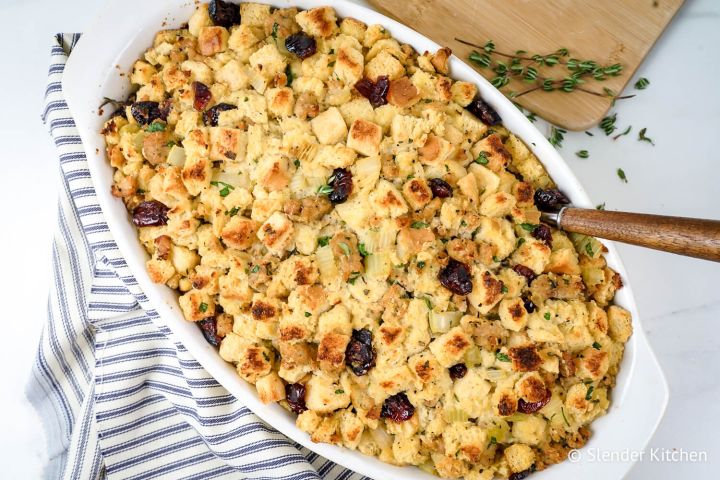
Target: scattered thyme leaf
[
  {"x": 642, "y": 83},
  {"x": 582, "y": 153},
  {"x": 418, "y": 224},
  {"x": 600, "y": 206},
  {"x": 325, "y": 189},
  {"x": 607, "y": 124},
  {"x": 482, "y": 158},
  {"x": 363, "y": 250},
  {"x": 643, "y": 138},
  {"x": 621, "y": 175},
  {"x": 588, "y": 395},
  {"x": 624, "y": 132},
  {"x": 557, "y": 135},
  {"x": 323, "y": 241}
]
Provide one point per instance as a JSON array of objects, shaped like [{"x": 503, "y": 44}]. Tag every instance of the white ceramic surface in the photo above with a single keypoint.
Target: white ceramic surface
[{"x": 118, "y": 37}]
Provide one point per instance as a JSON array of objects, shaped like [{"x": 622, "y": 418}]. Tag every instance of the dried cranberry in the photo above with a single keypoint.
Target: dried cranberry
[
  {"x": 520, "y": 475},
  {"x": 457, "y": 371},
  {"x": 551, "y": 199},
  {"x": 542, "y": 232},
  {"x": 301, "y": 44},
  {"x": 525, "y": 272},
  {"x": 209, "y": 329},
  {"x": 529, "y": 305},
  {"x": 145, "y": 113},
  {"x": 483, "y": 111},
  {"x": 202, "y": 96},
  {"x": 150, "y": 214},
  {"x": 341, "y": 184},
  {"x": 456, "y": 278},
  {"x": 359, "y": 354},
  {"x": 397, "y": 408},
  {"x": 528, "y": 407},
  {"x": 375, "y": 91},
  {"x": 440, "y": 188},
  {"x": 224, "y": 14},
  {"x": 212, "y": 114},
  {"x": 295, "y": 396}
]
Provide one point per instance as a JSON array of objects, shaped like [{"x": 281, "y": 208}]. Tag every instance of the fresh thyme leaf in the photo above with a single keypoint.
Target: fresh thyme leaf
[
  {"x": 232, "y": 212},
  {"x": 562, "y": 410},
  {"x": 596, "y": 345},
  {"x": 642, "y": 83},
  {"x": 504, "y": 289},
  {"x": 325, "y": 189},
  {"x": 589, "y": 393},
  {"x": 156, "y": 127},
  {"x": 428, "y": 303},
  {"x": 502, "y": 357},
  {"x": 274, "y": 32},
  {"x": 226, "y": 187},
  {"x": 308, "y": 314},
  {"x": 582, "y": 153},
  {"x": 323, "y": 241},
  {"x": 589, "y": 134},
  {"x": 418, "y": 224},
  {"x": 203, "y": 307},
  {"x": 643, "y": 138},
  {"x": 624, "y": 132},
  {"x": 288, "y": 75},
  {"x": 547, "y": 316},
  {"x": 339, "y": 391},
  {"x": 363, "y": 250},
  {"x": 528, "y": 227},
  {"x": 557, "y": 135},
  {"x": 600, "y": 206},
  {"x": 482, "y": 158},
  {"x": 621, "y": 175},
  {"x": 607, "y": 124}
]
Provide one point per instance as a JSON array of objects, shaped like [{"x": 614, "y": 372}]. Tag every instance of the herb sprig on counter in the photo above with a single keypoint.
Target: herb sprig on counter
[{"x": 573, "y": 74}]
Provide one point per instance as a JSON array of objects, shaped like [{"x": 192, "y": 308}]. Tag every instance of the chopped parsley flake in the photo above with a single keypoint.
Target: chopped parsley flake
[
  {"x": 547, "y": 315},
  {"x": 203, "y": 307},
  {"x": 482, "y": 158},
  {"x": 596, "y": 346},
  {"x": 323, "y": 241},
  {"x": 418, "y": 224},
  {"x": 156, "y": 127},
  {"x": 363, "y": 250}
]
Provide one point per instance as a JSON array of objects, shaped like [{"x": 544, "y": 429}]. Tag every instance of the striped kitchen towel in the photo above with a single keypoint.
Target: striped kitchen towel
[{"x": 119, "y": 396}]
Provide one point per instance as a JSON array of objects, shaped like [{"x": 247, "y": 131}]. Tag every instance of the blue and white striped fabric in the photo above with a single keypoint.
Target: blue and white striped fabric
[{"x": 119, "y": 396}]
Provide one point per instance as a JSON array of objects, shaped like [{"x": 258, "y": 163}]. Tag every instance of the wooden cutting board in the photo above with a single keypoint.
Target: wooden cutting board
[{"x": 608, "y": 31}]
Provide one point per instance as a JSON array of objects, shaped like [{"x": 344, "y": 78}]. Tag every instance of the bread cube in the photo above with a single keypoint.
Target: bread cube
[
  {"x": 449, "y": 348},
  {"x": 364, "y": 137},
  {"x": 280, "y": 101},
  {"x": 329, "y": 127},
  {"x": 254, "y": 14},
  {"x": 417, "y": 192},
  {"x": 349, "y": 65},
  {"x": 497, "y": 205},
  {"x": 277, "y": 233},
  {"x": 197, "y": 305},
  {"x": 324, "y": 394},
  {"x": 212, "y": 40},
  {"x": 486, "y": 292},
  {"x": 318, "y": 22},
  {"x": 353, "y": 28},
  {"x": 619, "y": 323},
  {"x": 463, "y": 93},
  {"x": 270, "y": 388},
  {"x": 387, "y": 200},
  {"x": 520, "y": 457},
  {"x": 513, "y": 314},
  {"x": 384, "y": 64},
  {"x": 239, "y": 232},
  {"x": 268, "y": 61}
]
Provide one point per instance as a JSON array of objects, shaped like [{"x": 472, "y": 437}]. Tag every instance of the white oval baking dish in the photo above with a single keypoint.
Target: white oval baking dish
[{"x": 121, "y": 33}]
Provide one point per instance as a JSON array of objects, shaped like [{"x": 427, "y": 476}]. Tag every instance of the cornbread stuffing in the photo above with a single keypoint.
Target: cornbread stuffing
[{"x": 359, "y": 234}]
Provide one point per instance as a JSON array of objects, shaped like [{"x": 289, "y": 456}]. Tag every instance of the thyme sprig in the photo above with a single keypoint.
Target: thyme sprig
[{"x": 525, "y": 67}]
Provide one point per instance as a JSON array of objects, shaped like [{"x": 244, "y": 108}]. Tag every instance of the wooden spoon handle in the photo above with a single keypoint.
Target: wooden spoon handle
[{"x": 692, "y": 237}]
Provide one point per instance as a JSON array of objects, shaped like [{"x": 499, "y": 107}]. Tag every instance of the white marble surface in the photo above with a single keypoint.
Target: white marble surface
[{"x": 679, "y": 298}]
